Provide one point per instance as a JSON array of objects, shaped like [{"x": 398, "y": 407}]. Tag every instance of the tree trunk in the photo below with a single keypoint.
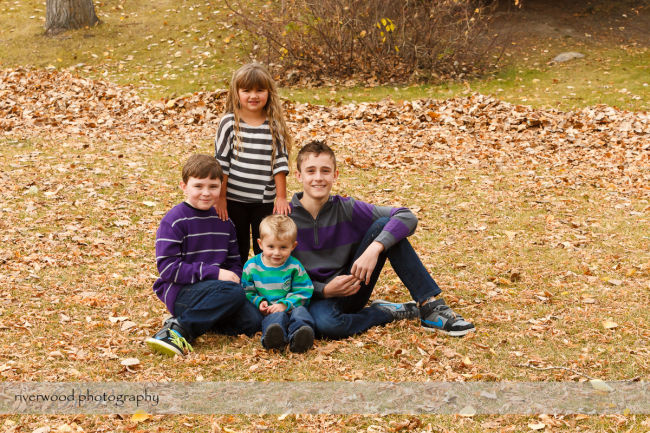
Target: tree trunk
[{"x": 63, "y": 15}]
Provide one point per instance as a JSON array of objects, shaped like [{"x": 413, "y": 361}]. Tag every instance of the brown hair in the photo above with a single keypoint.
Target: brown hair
[
  {"x": 279, "y": 226},
  {"x": 256, "y": 76},
  {"x": 317, "y": 147},
  {"x": 201, "y": 166}
]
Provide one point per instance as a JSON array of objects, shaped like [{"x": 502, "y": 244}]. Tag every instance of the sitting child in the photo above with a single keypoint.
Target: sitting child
[
  {"x": 278, "y": 285},
  {"x": 198, "y": 261}
]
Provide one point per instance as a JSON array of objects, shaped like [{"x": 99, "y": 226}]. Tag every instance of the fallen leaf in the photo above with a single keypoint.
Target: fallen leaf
[
  {"x": 467, "y": 411},
  {"x": 130, "y": 362},
  {"x": 599, "y": 385},
  {"x": 140, "y": 416},
  {"x": 537, "y": 426},
  {"x": 126, "y": 325},
  {"x": 608, "y": 324}
]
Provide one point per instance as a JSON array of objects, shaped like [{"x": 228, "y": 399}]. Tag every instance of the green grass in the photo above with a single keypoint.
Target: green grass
[{"x": 170, "y": 48}]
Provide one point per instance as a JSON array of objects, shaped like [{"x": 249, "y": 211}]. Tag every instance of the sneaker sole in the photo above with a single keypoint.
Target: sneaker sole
[
  {"x": 450, "y": 333},
  {"x": 274, "y": 338},
  {"x": 159, "y": 346},
  {"x": 302, "y": 340},
  {"x": 379, "y": 302}
]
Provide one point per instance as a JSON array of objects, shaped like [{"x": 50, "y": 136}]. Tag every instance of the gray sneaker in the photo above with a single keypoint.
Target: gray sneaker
[
  {"x": 437, "y": 316},
  {"x": 407, "y": 310}
]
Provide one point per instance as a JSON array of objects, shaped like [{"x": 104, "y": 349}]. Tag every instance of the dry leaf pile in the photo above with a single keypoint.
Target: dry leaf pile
[{"x": 597, "y": 144}]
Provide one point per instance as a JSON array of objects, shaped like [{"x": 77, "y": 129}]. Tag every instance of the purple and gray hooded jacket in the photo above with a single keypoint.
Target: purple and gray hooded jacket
[{"x": 326, "y": 245}]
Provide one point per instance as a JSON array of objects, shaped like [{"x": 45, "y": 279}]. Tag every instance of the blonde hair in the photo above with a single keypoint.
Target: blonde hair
[
  {"x": 256, "y": 76},
  {"x": 280, "y": 227}
]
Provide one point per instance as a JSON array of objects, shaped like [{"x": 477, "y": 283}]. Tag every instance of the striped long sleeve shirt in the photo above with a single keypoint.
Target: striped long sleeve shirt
[
  {"x": 192, "y": 245},
  {"x": 248, "y": 166},
  {"x": 326, "y": 244},
  {"x": 288, "y": 284}
]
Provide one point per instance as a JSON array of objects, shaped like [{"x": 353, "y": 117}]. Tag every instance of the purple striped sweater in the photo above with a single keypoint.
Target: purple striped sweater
[
  {"x": 326, "y": 244},
  {"x": 192, "y": 245}
]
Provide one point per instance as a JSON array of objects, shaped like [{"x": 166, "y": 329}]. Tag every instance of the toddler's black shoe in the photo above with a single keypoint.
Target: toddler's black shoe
[
  {"x": 274, "y": 337},
  {"x": 302, "y": 339}
]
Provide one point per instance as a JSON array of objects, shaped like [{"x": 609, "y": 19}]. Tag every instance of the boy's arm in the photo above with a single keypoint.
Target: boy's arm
[
  {"x": 402, "y": 223},
  {"x": 169, "y": 261},
  {"x": 249, "y": 288},
  {"x": 233, "y": 261},
  {"x": 301, "y": 290}
]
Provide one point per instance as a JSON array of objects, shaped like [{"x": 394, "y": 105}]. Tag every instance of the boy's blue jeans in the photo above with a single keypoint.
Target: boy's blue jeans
[
  {"x": 290, "y": 321},
  {"x": 216, "y": 306},
  {"x": 346, "y": 316}
]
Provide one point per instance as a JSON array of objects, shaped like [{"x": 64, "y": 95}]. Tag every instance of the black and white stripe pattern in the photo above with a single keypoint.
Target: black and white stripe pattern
[{"x": 248, "y": 165}]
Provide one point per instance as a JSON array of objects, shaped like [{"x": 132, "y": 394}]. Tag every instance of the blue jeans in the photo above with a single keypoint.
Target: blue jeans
[
  {"x": 290, "y": 321},
  {"x": 346, "y": 316},
  {"x": 216, "y": 306}
]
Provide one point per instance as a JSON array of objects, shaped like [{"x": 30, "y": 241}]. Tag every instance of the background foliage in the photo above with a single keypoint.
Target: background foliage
[{"x": 384, "y": 39}]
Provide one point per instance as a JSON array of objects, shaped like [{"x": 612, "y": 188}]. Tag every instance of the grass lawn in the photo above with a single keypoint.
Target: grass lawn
[{"x": 542, "y": 243}]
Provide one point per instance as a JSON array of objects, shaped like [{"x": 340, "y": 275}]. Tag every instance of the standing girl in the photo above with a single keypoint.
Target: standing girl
[{"x": 252, "y": 146}]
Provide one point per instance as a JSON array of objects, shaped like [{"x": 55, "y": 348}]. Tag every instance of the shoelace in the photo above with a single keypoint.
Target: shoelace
[
  {"x": 403, "y": 312},
  {"x": 181, "y": 342},
  {"x": 446, "y": 311}
]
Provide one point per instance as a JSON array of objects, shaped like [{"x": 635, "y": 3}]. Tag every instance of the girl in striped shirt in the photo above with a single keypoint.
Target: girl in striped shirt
[{"x": 252, "y": 145}]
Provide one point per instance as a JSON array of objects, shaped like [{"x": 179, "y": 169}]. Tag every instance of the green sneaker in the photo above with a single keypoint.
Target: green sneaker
[{"x": 169, "y": 341}]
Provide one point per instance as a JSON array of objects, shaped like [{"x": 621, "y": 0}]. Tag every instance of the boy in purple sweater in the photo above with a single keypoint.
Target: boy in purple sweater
[
  {"x": 199, "y": 266},
  {"x": 343, "y": 244}
]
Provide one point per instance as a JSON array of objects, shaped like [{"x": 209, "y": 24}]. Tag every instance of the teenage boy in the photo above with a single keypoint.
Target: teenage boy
[
  {"x": 199, "y": 266},
  {"x": 278, "y": 285},
  {"x": 343, "y": 244}
]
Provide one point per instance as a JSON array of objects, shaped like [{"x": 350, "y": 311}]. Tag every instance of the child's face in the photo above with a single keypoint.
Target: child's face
[
  {"x": 201, "y": 193},
  {"x": 317, "y": 175},
  {"x": 253, "y": 100},
  {"x": 275, "y": 251}
]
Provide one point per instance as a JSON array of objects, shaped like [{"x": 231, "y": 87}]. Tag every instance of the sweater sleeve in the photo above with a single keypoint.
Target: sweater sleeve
[
  {"x": 223, "y": 143},
  {"x": 248, "y": 284},
  {"x": 169, "y": 259},
  {"x": 281, "y": 164},
  {"x": 233, "y": 261},
  {"x": 402, "y": 222}
]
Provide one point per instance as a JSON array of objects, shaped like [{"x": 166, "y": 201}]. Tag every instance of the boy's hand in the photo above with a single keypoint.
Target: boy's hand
[
  {"x": 343, "y": 285},
  {"x": 275, "y": 308},
  {"x": 222, "y": 208},
  {"x": 363, "y": 267},
  {"x": 226, "y": 275},
  {"x": 281, "y": 206},
  {"x": 264, "y": 306}
]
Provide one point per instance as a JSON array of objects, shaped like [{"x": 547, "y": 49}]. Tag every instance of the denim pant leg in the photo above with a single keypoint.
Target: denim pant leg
[
  {"x": 345, "y": 316},
  {"x": 281, "y": 318},
  {"x": 247, "y": 320},
  {"x": 331, "y": 322},
  {"x": 405, "y": 262},
  {"x": 354, "y": 303},
  {"x": 200, "y": 306},
  {"x": 299, "y": 317}
]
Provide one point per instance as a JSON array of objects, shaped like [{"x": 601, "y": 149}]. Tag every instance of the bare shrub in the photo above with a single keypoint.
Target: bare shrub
[{"x": 384, "y": 39}]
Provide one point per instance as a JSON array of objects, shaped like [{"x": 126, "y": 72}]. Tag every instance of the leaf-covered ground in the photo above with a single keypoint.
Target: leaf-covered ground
[{"x": 534, "y": 223}]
